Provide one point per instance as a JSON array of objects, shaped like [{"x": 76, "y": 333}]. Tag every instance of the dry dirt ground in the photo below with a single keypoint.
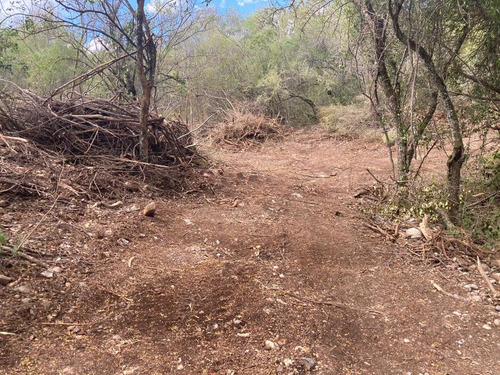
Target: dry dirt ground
[{"x": 275, "y": 250}]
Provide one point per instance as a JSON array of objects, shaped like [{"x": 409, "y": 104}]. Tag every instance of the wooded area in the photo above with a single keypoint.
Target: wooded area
[{"x": 115, "y": 103}]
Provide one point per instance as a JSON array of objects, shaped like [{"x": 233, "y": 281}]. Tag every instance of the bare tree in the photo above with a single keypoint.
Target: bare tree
[{"x": 457, "y": 157}]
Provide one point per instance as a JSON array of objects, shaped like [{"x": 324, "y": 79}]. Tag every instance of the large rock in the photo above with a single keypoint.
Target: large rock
[
  {"x": 413, "y": 233},
  {"x": 149, "y": 210}
]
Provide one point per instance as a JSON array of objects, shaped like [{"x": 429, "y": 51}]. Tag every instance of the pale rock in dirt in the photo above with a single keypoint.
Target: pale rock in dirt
[
  {"x": 496, "y": 276},
  {"x": 270, "y": 345},
  {"x": 496, "y": 322},
  {"x": 497, "y": 308},
  {"x": 476, "y": 298},
  {"x": 22, "y": 289},
  {"x": 288, "y": 362},
  {"x": 471, "y": 287},
  {"x": 487, "y": 326},
  {"x": 413, "y": 233},
  {"x": 123, "y": 241},
  {"x": 149, "y": 210}
]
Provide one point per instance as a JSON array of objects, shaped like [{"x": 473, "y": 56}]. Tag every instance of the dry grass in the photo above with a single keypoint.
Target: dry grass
[
  {"x": 354, "y": 120},
  {"x": 244, "y": 127}
]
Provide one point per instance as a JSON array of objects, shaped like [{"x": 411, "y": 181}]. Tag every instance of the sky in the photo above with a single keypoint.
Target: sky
[{"x": 244, "y": 7}]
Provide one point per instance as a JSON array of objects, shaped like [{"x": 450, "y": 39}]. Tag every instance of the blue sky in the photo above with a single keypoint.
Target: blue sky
[{"x": 244, "y": 7}]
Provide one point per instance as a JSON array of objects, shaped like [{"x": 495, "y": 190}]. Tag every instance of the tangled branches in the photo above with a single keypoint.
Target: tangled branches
[{"x": 85, "y": 146}]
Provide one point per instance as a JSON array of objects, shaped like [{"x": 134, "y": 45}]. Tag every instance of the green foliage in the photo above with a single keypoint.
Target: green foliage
[
  {"x": 490, "y": 170},
  {"x": 417, "y": 201},
  {"x": 4, "y": 239}
]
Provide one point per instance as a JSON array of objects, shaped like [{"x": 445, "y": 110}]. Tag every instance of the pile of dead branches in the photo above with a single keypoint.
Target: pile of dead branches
[
  {"x": 89, "y": 127},
  {"x": 85, "y": 148},
  {"x": 243, "y": 127}
]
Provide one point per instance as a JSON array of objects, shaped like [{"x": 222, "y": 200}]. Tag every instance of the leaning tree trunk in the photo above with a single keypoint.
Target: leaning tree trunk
[{"x": 457, "y": 157}]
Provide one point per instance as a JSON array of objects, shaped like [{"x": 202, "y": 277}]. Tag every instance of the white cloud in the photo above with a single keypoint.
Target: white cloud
[
  {"x": 96, "y": 45},
  {"x": 242, "y": 3}
]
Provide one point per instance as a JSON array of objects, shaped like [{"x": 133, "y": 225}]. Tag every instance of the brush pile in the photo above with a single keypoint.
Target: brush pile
[
  {"x": 85, "y": 147},
  {"x": 242, "y": 127}
]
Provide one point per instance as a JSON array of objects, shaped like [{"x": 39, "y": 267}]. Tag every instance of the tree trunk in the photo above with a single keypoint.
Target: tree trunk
[
  {"x": 145, "y": 97},
  {"x": 378, "y": 26}
]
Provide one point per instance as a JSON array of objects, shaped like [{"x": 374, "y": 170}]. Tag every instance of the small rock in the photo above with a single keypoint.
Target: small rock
[
  {"x": 413, "y": 233},
  {"x": 22, "y": 289},
  {"x": 108, "y": 233},
  {"x": 497, "y": 308},
  {"x": 4, "y": 280},
  {"x": 476, "y": 298},
  {"x": 288, "y": 362},
  {"x": 471, "y": 287},
  {"x": 26, "y": 300},
  {"x": 487, "y": 326},
  {"x": 297, "y": 195},
  {"x": 302, "y": 350},
  {"x": 306, "y": 363},
  {"x": 48, "y": 274},
  {"x": 149, "y": 210},
  {"x": 180, "y": 367},
  {"x": 496, "y": 322},
  {"x": 270, "y": 345},
  {"x": 68, "y": 371},
  {"x": 130, "y": 371},
  {"x": 54, "y": 269},
  {"x": 123, "y": 241}
]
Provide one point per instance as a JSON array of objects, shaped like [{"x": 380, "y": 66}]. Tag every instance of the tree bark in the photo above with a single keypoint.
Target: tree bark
[
  {"x": 146, "y": 86},
  {"x": 378, "y": 26},
  {"x": 457, "y": 157}
]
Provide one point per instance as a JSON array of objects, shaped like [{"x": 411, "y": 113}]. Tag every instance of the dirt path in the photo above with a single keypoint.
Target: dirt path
[{"x": 277, "y": 253}]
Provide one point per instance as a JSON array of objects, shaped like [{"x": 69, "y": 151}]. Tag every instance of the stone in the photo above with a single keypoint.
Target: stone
[
  {"x": 4, "y": 280},
  {"x": 48, "y": 274},
  {"x": 413, "y": 233},
  {"x": 149, "y": 210},
  {"x": 123, "y": 241},
  {"x": 476, "y": 298},
  {"x": 269, "y": 345},
  {"x": 496, "y": 322},
  {"x": 487, "y": 326},
  {"x": 22, "y": 289},
  {"x": 306, "y": 363},
  {"x": 471, "y": 287}
]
